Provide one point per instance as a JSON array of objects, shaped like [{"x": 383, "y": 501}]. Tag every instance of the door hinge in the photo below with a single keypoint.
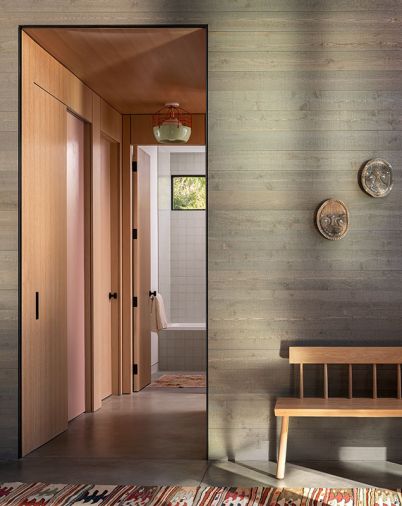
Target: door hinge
[
  {"x": 134, "y": 165},
  {"x": 135, "y": 301},
  {"x": 135, "y": 369},
  {"x": 135, "y": 233}
]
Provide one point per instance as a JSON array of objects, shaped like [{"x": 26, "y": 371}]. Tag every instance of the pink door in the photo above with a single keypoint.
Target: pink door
[{"x": 75, "y": 267}]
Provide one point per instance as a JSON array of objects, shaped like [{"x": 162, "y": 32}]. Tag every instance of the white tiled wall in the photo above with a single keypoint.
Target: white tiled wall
[
  {"x": 164, "y": 228},
  {"x": 182, "y": 267},
  {"x": 187, "y": 250},
  {"x": 188, "y": 266},
  {"x": 187, "y": 163},
  {"x": 182, "y": 350}
]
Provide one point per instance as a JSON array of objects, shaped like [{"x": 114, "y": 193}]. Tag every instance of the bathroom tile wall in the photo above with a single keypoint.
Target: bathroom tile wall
[
  {"x": 164, "y": 228},
  {"x": 187, "y": 259},
  {"x": 182, "y": 350},
  {"x": 188, "y": 250},
  {"x": 187, "y": 163}
]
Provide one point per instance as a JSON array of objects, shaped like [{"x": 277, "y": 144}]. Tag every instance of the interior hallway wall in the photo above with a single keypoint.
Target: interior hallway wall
[
  {"x": 43, "y": 72},
  {"x": 301, "y": 93}
]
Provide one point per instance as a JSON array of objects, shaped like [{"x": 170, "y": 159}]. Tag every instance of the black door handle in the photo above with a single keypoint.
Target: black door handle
[
  {"x": 37, "y": 305},
  {"x": 152, "y": 294},
  {"x": 112, "y": 295}
]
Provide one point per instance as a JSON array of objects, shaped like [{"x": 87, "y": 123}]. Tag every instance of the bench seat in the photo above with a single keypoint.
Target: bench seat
[
  {"x": 350, "y": 406},
  {"x": 339, "y": 407}
]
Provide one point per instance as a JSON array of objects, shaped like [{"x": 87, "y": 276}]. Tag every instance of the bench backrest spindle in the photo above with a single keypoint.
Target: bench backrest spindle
[
  {"x": 301, "y": 382},
  {"x": 375, "y": 381},
  {"x": 349, "y": 356},
  {"x": 350, "y": 381},
  {"x": 325, "y": 381}
]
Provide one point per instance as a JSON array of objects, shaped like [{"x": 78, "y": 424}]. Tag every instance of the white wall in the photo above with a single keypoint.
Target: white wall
[
  {"x": 182, "y": 239},
  {"x": 187, "y": 250},
  {"x": 164, "y": 226}
]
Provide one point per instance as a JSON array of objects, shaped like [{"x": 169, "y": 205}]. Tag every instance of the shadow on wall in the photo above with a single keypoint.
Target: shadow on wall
[
  {"x": 346, "y": 292},
  {"x": 224, "y": 416},
  {"x": 312, "y": 121}
]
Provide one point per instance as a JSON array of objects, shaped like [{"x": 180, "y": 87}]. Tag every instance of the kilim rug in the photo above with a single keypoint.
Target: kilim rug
[
  {"x": 42, "y": 494},
  {"x": 181, "y": 381}
]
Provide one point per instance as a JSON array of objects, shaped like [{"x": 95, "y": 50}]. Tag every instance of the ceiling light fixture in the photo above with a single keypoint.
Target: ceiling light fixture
[{"x": 172, "y": 124}]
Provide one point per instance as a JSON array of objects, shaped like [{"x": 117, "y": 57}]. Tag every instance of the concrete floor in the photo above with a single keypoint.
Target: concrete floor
[
  {"x": 200, "y": 472},
  {"x": 158, "y": 437},
  {"x": 155, "y": 423}
]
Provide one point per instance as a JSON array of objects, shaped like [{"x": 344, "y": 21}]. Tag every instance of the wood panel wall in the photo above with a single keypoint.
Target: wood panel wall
[
  {"x": 301, "y": 93},
  {"x": 44, "y": 304},
  {"x": 43, "y": 72}
]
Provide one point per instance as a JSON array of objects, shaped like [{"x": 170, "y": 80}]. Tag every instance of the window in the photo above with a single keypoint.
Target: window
[{"x": 189, "y": 193}]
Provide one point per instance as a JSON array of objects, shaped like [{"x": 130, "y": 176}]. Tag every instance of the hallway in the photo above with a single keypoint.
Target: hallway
[
  {"x": 158, "y": 437},
  {"x": 156, "y": 424},
  {"x": 151, "y": 424}
]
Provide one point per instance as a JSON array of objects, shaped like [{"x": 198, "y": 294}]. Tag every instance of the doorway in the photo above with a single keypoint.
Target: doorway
[
  {"x": 170, "y": 258},
  {"x": 172, "y": 180},
  {"x": 83, "y": 280}
]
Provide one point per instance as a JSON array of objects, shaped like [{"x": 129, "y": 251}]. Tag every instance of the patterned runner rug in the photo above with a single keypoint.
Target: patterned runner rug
[
  {"x": 24, "y": 494},
  {"x": 181, "y": 381}
]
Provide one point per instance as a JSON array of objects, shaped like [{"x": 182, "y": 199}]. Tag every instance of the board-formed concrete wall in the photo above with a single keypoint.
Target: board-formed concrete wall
[{"x": 301, "y": 93}]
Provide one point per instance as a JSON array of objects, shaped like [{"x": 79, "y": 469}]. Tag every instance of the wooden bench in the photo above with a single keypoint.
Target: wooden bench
[{"x": 338, "y": 407}]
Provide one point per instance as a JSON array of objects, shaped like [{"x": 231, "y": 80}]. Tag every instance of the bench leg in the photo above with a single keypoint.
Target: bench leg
[{"x": 283, "y": 442}]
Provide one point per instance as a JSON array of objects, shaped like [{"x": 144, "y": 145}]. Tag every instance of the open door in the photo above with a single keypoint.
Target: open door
[
  {"x": 44, "y": 267},
  {"x": 142, "y": 271}
]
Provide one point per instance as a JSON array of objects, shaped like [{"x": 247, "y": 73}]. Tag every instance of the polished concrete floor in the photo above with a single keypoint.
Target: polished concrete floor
[
  {"x": 152, "y": 424},
  {"x": 158, "y": 437},
  {"x": 200, "y": 472}
]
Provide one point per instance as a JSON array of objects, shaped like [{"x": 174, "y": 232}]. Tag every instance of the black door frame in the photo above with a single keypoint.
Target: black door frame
[{"x": 21, "y": 28}]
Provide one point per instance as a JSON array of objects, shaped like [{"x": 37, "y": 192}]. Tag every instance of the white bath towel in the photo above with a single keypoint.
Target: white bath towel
[{"x": 158, "y": 315}]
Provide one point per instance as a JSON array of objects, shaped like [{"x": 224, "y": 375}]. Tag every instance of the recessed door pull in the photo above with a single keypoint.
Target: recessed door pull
[
  {"x": 112, "y": 295},
  {"x": 37, "y": 305}
]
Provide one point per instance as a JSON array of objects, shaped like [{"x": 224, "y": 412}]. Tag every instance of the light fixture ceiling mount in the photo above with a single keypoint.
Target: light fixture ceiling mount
[{"x": 172, "y": 124}]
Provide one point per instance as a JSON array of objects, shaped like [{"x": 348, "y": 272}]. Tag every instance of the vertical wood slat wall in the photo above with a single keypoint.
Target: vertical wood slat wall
[
  {"x": 42, "y": 72},
  {"x": 44, "y": 378},
  {"x": 301, "y": 93}
]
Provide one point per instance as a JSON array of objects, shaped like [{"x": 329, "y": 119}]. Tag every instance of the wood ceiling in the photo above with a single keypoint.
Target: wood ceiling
[{"x": 136, "y": 70}]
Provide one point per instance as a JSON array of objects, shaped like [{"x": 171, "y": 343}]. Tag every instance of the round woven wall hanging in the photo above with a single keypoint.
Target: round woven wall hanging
[{"x": 333, "y": 219}]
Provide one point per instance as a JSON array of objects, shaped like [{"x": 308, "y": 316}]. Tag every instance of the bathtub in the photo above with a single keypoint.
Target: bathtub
[
  {"x": 182, "y": 347},
  {"x": 187, "y": 326}
]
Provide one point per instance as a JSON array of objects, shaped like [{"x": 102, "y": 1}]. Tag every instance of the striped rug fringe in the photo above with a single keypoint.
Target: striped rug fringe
[{"x": 43, "y": 494}]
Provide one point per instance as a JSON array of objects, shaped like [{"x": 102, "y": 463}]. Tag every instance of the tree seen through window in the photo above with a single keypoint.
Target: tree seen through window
[{"x": 188, "y": 193}]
